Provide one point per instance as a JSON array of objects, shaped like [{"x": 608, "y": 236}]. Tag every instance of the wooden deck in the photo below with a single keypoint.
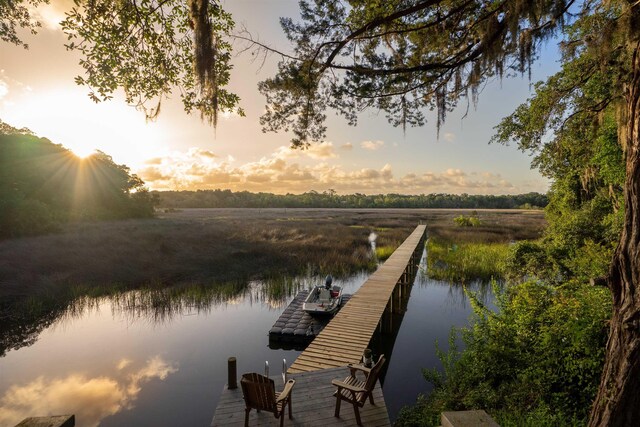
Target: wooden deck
[
  {"x": 313, "y": 404},
  {"x": 345, "y": 338},
  {"x": 341, "y": 342}
]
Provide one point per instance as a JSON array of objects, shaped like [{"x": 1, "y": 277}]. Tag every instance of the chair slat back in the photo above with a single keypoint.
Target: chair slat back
[
  {"x": 259, "y": 392},
  {"x": 373, "y": 376}
]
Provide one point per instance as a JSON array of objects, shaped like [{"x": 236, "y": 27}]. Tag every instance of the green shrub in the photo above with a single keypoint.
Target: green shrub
[
  {"x": 536, "y": 361},
  {"x": 25, "y": 217},
  {"x": 467, "y": 221},
  {"x": 527, "y": 259}
]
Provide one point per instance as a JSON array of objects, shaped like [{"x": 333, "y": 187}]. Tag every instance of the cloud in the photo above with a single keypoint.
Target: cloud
[
  {"x": 90, "y": 399},
  {"x": 153, "y": 174},
  {"x": 154, "y": 161},
  {"x": 449, "y": 136},
  {"x": 371, "y": 145},
  {"x": 50, "y": 15},
  {"x": 4, "y": 89},
  {"x": 321, "y": 151},
  {"x": 347, "y": 146},
  {"x": 455, "y": 173},
  {"x": 287, "y": 170}
]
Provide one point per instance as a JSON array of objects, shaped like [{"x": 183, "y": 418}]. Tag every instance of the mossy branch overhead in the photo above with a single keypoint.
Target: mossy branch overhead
[
  {"x": 152, "y": 49},
  {"x": 402, "y": 58}
]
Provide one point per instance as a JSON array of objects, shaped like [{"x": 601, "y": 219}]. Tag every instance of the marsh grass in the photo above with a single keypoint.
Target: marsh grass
[
  {"x": 465, "y": 262},
  {"x": 214, "y": 247},
  {"x": 384, "y": 252}
]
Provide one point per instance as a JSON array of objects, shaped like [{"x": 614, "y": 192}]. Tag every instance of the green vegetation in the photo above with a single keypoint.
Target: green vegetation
[
  {"x": 466, "y": 261},
  {"x": 384, "y": 252},
  {"x": 329, "y": 199},
  {"x": 43, "y": 185},
  {"x": 534, "y": 362},
  {"x": 468, "y": 221},
  {"x": 537, "y": 360}
]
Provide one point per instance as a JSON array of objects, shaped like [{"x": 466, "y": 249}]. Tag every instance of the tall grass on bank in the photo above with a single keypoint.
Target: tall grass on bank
[{"x": 464, "y": 262}]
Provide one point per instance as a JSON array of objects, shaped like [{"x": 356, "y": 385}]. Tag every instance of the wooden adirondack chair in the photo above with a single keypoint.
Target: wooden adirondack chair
[
  {"x": 356, "y": 391},
  {"x": 260, "y": 393}
]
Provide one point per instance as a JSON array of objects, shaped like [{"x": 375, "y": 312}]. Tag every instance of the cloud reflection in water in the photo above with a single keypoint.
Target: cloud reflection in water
[{"x": 90, "y": 399}]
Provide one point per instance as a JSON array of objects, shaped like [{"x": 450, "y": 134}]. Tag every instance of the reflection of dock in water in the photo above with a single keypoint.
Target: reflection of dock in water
[
  {"x": 370, "y": 319},
  {"x": 295, "y": 328}
]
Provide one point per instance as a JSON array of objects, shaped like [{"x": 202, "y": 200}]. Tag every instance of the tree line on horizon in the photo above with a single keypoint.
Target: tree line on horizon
[{"x": 329, "y": 199}]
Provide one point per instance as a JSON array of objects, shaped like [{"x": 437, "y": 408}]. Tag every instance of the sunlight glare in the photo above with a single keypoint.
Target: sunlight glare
[{"x": 69, "y": 118}]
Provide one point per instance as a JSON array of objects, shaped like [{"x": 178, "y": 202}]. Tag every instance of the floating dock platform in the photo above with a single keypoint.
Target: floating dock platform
[{"x": 295, "y": 328}]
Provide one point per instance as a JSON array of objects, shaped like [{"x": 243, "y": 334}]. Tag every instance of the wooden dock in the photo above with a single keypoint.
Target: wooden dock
[
  {"x": 348, "y": 334},
  {"x": 342, "y": 341},
  {"x": 312, "y": 403}
]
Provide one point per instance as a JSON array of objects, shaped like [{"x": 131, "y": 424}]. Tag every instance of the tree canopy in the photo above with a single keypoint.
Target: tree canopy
[{"x": 43, "y": 185}]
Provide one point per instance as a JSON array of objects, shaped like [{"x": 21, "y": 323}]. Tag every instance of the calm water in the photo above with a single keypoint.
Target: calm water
[{"x": 115, "y": 366}]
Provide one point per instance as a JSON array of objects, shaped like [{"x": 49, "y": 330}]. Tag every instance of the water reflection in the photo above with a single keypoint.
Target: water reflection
[
  {"x": 100, "y": 359},
  {"x": 162, "y": 305},
  {"x": 91, "y": 399}
]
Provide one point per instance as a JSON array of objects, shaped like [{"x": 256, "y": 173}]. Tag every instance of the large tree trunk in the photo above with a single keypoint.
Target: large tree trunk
[{"x": 618, "y": 399}]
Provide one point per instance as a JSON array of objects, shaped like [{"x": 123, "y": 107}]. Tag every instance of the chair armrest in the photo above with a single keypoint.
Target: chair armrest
[
  {"x": 354, "y": 368},
  {"x": 349, "y": 387},
  {"x": 287, "y": 391}
]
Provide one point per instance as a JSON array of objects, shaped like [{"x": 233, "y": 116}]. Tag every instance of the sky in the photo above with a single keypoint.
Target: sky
[{"x": 180, "y": 152}]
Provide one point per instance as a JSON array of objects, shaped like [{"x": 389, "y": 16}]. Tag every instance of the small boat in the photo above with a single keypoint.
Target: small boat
[{"x": 323, "y": 300}]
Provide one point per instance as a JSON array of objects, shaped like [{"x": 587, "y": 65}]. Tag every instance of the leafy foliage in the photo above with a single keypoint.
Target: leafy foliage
[
  {"x": 537, "y": 361},
  {"x": 569, "y": 126},
  {"x": 468, "y": 221},
  {"x": 15, "y": 14},
  {"x": 400, "y": 57},
  {"x": 43, "y": 185},
  {"x": 151, "y": 48}
]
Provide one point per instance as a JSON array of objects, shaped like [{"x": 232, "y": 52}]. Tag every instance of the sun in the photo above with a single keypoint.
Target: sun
[
  {"x": 67, "y": 117},
  {"x": 82, "y": 151}
]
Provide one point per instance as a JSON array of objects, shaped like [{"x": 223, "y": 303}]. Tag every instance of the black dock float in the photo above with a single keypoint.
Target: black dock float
[{"x": 295, "y": 329}]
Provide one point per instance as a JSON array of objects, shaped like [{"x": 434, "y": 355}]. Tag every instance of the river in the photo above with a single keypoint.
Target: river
[{"x": 127, "y": 362}]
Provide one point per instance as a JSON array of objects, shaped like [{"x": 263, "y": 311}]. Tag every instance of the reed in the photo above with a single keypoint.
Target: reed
[
  {"x": 384, "y": 252},
  {"x": 465, "y": 262},
  {"x": 214, "y": 247}
]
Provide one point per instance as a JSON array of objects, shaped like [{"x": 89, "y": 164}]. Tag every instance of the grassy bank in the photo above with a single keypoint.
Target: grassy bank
[
  {"x": 190, "y": 247},
  {"x": 473, "y": 245},
  {"x": 462, "y": 262}
]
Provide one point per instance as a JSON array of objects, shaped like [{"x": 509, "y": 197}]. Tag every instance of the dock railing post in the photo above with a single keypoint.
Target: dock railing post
[{"x": 232, "y": 374}]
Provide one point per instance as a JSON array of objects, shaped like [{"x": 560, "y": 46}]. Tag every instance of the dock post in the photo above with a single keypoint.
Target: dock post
[{"x": 232, "y": 374}]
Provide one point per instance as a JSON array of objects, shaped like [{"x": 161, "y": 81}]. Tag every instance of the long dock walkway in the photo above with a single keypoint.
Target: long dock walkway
[
  {"x": 341, "y": 342},
  {"x": 348, "y": 334}
]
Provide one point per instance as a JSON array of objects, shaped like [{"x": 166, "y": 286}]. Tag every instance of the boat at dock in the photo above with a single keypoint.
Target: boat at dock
[{"x": 323, "y": 299}]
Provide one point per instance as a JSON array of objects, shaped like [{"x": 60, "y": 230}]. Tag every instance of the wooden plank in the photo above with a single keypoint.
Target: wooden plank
[
  {"x": 313, "y": 404},
  {"x": 351, "y": 330}
]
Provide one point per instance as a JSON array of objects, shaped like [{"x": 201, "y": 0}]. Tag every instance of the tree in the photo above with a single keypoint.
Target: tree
[
  {"x": 580, "y": 153},
  {"x": 43, "y": 185},
  {"x": 407, "y": 56},
  {"x": 15, "y": 14},
  {"x": 400, "y": 57},
  {"x": 148, "y": 48}
]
